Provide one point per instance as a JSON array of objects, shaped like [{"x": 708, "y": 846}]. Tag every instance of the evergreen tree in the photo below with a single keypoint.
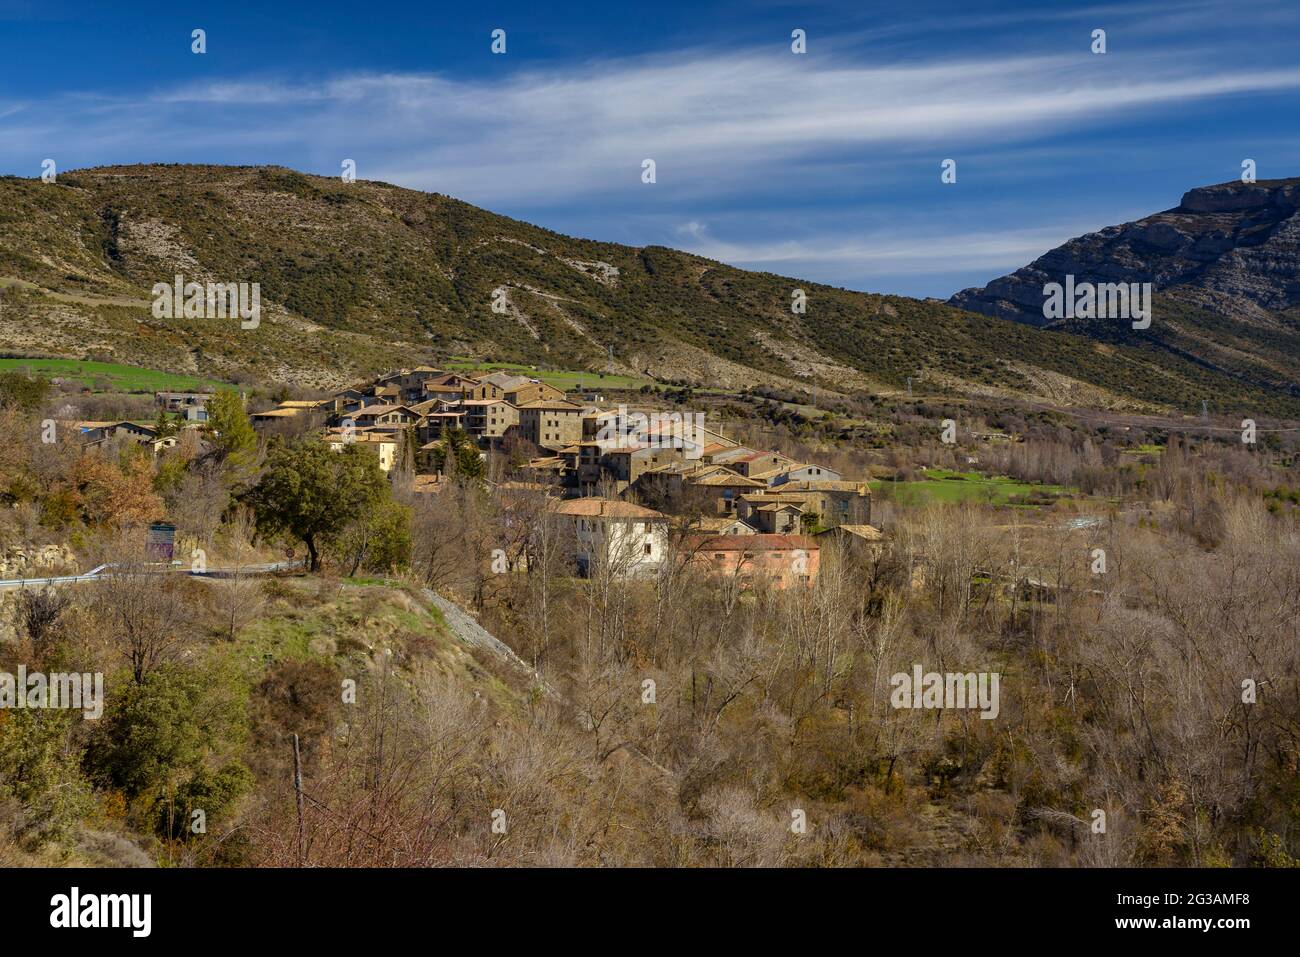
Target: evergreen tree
[
  {"x": 231, "y": 431},
  {"x": 314, "y": 493},
  {"x": 457, "y": 455}
]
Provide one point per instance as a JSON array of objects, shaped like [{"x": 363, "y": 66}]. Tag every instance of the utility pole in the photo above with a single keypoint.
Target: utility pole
[
  {"x": 297, "y": 787},
  {"x": 171, "y": 817}
]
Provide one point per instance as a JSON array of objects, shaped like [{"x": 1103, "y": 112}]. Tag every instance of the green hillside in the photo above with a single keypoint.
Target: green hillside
[
  {"x": 361, "y": 277},
  {"x": 107, "y": 376}
]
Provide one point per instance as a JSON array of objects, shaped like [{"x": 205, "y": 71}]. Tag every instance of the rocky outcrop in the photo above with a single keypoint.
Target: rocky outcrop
[
  {"x": 17, "y": 561},
  {"x": 1233, "y": 248}
]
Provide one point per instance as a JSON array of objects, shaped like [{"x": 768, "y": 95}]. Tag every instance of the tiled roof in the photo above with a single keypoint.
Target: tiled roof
[
  {"x": 735, "y": 453},
  {"x": 555, "y": 405},
  {"x": 361, "y": 436},
  {"x": 752, "y": 456},
  {"x": 713, "y": 523},
  {"x": 751, "y": 543},
  {"x": 726, "y": 477},
  {"x": 866, "y": 532},
  {"x": 824, "y": 485},
  {"x": 380, "y": 410},
  {"x": 505, "y": 380},
  {"x": 604, "y": 508},
  {"x": 790, "y": 498}
]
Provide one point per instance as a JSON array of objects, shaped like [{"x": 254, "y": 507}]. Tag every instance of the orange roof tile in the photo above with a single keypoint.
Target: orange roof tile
[{"x": 605, "y": 508}]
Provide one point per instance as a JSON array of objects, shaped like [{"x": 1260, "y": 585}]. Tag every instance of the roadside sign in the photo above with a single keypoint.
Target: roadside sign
[{"x": 161, "y": 542}]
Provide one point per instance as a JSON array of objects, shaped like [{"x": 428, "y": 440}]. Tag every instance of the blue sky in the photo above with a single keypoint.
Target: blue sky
[{"x": 823, "y": 166}]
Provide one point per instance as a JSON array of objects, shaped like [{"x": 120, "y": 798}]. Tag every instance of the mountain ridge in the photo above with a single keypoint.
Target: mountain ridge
[
  {"x": 358, "y": 277},
  {"x": 1226, "y": 265}
]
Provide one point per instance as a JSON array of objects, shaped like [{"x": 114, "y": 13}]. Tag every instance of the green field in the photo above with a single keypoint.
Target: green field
[
  {"x": 568, "y": 381},
  {"x": 109, "y": 376},
  {"x": 946, "y": 487}
]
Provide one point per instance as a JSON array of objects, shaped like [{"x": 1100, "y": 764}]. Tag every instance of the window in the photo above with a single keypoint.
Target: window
[{"x": 649, "y": 549}]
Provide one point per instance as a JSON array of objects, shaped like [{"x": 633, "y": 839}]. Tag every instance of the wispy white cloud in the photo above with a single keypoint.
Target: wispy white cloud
[
  {"x": 893, "y": 253},
  {"x": 711, "y": 120},
  {"x": 721, "y": 125},
  {"x": 694, "y": 229},
  {"x": 713, "y": 123}
]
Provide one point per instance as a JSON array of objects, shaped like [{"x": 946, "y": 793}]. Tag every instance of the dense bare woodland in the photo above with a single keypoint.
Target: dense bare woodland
[
  {"x": 680, "y": 720},
  {"x": 1123, "y": 694}
]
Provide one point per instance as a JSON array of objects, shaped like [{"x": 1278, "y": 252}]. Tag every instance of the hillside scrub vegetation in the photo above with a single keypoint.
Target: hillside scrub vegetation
[{"x": 676, "y": 720}]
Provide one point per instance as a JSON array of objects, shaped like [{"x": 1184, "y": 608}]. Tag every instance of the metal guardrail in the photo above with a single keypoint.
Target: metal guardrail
[
  {"x": 55, "y": 580},
  {"x": 94, "y": 574}
]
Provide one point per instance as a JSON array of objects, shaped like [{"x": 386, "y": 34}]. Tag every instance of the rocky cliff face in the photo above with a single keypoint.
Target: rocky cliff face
[{"x": 1233, "y": 249}]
